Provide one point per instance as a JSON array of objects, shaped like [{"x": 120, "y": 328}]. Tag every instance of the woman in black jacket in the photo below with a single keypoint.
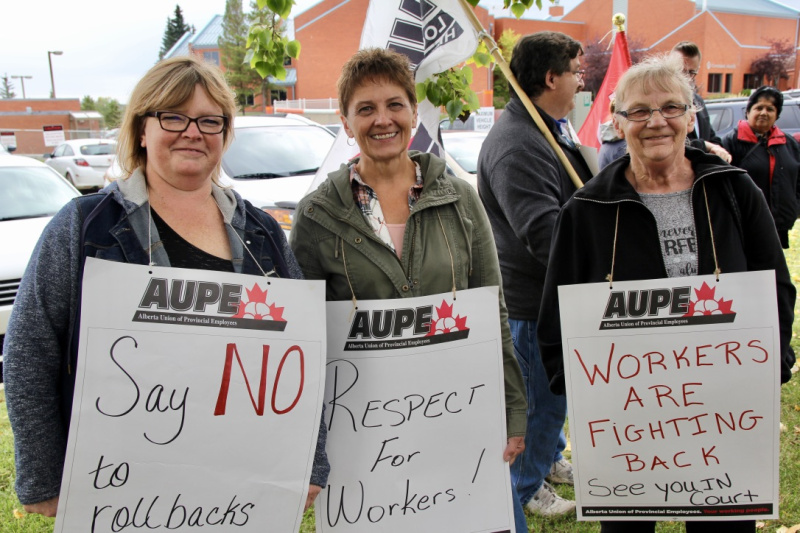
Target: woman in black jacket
[
  {"x": 771, "y": 157},
  {"x": 622, "y": 224}
]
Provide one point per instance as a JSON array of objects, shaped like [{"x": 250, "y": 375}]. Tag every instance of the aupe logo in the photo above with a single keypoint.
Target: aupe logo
[
  {"x": 407, "y": 327},
  {"x": 205, "y": 303},
  {"x": 666, "y": 307}
]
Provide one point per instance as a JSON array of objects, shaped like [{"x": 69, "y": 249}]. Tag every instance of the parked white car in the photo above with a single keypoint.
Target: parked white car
[
  {"x": 461, "y": 153},
  {"x": 32, "y": 194},
  {"x": 83, "y": 162}
]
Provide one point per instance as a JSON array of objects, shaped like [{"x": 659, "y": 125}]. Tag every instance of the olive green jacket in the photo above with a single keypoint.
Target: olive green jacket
[{"x": 333, "y": 241}]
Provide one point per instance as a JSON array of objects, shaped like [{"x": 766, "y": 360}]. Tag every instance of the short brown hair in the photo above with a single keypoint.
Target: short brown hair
[
  {"x": 168, "y": 84},
  {"x": 372, "y": 64},
  {"x": 687, "y": 49},
  {"x": 537, "y": 54}
]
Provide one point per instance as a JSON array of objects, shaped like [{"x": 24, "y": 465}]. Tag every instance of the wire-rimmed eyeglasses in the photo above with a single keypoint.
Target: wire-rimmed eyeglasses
[
  {"x": 641, "y": 114},
  {"x": 178, "y": 123},
  {"x": 579, "y": 73}
]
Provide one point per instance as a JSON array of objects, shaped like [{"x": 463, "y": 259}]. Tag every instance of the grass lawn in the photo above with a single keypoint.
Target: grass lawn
[{"x": 14, "y": 520}]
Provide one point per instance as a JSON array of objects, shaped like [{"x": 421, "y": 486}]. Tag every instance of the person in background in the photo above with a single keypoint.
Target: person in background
[
  {"x": 702, "y": 135},
  {"x": 621, "y": 225},
  {"x": 395, "y": 224},
  {"x": 169, "y": 210},
  {"x": 523, "y": 185},
  {"x": 769, "y": 156},
  {"x": 612, "y": 145}
]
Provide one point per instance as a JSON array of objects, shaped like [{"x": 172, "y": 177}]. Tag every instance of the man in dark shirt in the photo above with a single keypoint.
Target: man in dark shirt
[
  {"x": 523, "y": 186},
  {"x": 702, "y": 135}
]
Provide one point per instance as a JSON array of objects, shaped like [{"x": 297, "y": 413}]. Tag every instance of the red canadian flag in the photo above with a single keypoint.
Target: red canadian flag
[{"x": 599, "y": 113}]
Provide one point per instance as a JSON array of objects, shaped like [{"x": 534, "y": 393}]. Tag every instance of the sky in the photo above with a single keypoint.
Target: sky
[{"x": 107, "y": 45}]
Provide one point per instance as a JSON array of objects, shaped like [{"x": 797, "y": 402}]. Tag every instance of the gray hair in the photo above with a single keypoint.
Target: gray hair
[{"x": 662, "y": 72}]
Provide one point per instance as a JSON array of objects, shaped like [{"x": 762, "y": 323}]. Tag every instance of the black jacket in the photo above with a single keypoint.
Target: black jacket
[
  {"x": 782, "y": 192},
  {"x": 523, "y": 185},
  {"x": 707, "y": 132},
  {"x": 583, "y": 242}
]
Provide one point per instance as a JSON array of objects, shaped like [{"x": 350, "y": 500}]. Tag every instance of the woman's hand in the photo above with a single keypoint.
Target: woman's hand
[
  {"x": 718, "y": 151},
  {"x": 515, "y": 446},
  {"x": 46, "y": 508},
  {"x": 313, "y": 491}
]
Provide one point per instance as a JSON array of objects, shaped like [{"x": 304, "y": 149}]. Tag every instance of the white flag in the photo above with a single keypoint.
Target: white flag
[{"x": 435, "y": 35}]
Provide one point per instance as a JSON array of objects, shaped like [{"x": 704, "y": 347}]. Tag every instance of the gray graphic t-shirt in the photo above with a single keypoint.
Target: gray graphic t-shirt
[{"x": 673, "y": 213}]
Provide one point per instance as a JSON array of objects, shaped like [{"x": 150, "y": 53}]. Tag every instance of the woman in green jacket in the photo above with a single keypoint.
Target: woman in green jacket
[{"x": 394, "y": 224}]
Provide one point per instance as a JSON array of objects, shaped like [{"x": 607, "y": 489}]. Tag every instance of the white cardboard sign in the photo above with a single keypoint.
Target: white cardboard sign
[
  {"x": 197, "y": 401},
  {"x": 53, "y": 135},
  {"x": 674, "y": 396},
  {"x": 415, "y": 408}
]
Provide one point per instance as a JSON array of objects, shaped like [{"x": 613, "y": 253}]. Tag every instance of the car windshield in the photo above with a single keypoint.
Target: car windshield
[
  {"x": 464, "y": 149},
  {"x": 269, "y": 152},
  {"x": 30, "y": 192},
  {"x": 98, "y": 149}
]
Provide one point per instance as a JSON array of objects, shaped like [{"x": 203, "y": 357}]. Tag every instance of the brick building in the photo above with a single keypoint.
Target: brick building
[
  {"x": 26, "y": 118},
  {"x": 730, "y": 33}
]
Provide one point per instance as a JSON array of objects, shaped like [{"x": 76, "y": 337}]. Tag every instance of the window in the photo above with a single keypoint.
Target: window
[
  {"x": 751, "y": 81},
  {"x": 212, "y": 57},
  {"x": 714, "y": 83},
  {"x": 728, "y": 82}
]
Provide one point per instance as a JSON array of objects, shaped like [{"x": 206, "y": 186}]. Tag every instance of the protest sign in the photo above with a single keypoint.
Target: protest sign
[
  {"x": 416, "y": 416},
  {"x": 674, "y": 395},
  {"x": 197, "y": 403}
]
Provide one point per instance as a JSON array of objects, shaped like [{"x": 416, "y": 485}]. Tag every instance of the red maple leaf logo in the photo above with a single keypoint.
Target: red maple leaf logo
[
  {"x": 256, "y": 307},
  {"x": 707, "y": 304},
  {"x": 446, "y": 322}
]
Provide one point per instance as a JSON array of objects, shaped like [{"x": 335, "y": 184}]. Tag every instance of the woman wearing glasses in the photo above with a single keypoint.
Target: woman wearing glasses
[
  {"x": 169, "y": 211},
  {"x": 623, "y": 222}
]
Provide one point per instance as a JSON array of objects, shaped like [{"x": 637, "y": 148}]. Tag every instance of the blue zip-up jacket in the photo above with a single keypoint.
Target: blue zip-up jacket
[{"x": 41, "y": 343}]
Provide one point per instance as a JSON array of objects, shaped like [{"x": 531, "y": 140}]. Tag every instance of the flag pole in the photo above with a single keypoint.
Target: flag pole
[{"x": 501, "y": 62}]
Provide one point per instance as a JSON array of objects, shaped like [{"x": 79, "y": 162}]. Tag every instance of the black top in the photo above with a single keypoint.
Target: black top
[{"x": 183, "y": 254}]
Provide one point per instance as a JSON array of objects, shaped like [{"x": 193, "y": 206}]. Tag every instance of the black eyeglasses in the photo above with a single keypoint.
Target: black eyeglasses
[
  {"x": 641, "y": 114},
  {"x": 691, "y": 73},
  {"x": 178, "y": 123}
]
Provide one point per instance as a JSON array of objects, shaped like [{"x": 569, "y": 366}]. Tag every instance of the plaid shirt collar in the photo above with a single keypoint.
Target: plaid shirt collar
[{"x": 366, "y": 200}]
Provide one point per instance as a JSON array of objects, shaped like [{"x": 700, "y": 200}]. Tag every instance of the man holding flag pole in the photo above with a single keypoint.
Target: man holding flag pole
[{"x": 523, "y": 184}]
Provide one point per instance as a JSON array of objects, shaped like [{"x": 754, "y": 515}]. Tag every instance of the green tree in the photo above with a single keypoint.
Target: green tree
[
  {"x": 111, "y": 111},
  {"x": 6, "y": 88},
  {"x": 242, "y": 79},
  {"x": 508, "y": 39},
  {"x": 88, "y": 104},
  {"x": 175, "y": 29}
]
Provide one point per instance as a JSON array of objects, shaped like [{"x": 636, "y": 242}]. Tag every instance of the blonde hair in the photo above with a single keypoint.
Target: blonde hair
[
  {"x": 661, "y": 72},
  {"x": 167, "y": 85}
]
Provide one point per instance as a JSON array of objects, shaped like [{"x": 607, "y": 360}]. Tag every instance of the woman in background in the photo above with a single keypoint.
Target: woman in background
[{"x": 769, "y": 156}]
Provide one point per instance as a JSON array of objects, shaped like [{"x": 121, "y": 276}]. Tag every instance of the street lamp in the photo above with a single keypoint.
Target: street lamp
[
  {"x": 22, "y": 82},
  {"x": 50, "y": 62}
]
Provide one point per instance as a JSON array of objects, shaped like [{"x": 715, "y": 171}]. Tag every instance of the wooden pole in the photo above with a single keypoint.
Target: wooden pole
[{"x": 501, "y": 62}]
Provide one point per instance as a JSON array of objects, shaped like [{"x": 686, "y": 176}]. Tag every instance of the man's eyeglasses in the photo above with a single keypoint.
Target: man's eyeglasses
[
  {"x": 691, "y": 73},
  {"x": 178, "y": 123},
  {"x": 641, "y": 114},
  {"x": 579, "y": 73}
]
